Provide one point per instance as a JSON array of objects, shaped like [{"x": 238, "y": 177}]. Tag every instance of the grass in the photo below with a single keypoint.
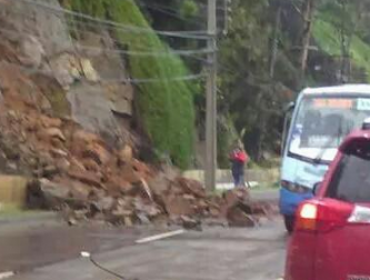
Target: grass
[
  {"x": 327, "y": 38},
  {"x": 9, "y": 211}
]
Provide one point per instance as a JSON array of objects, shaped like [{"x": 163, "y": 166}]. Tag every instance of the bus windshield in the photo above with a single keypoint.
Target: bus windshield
[{"x": 323, "y": 122}]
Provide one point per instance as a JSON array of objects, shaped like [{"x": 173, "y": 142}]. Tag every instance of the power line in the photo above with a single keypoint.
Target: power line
[
  {"x": 122, "y": 80},
  {"x": 157, "y": 80},
  {"x": 138, "y": 81},
  {"x": 196, "y": 35},
  {"x": 186, "y": 53}
]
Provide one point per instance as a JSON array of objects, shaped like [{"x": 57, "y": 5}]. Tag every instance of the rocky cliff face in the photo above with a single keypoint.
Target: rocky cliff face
[{"x": 81, "y": 77}]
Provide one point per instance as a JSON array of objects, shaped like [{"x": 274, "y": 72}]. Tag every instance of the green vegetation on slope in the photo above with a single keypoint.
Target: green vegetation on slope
[
  {"x": 327, "y": 38},
  {"x": 166, "y": 107}
]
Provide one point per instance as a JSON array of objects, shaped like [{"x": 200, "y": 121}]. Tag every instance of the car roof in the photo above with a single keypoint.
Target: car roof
[
  {"x": 353, "y": 136},
  {"x": 348, "y": 89}
]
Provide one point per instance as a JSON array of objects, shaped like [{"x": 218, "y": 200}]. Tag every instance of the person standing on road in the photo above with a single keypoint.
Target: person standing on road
[{"x": 238, "y": 158}]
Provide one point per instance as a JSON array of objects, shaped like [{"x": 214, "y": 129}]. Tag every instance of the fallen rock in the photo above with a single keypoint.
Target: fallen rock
[
  {"x": 49, "y": 171},
  {"x": 59, "y": 153},
  {"x": 54, "y": 195},
  {"x": 177, "y": 206},
  {"x": 86, "y": 177},
  {"x": 32, "y": 51},
  {"x": 55, "y": 133},
  {"x": 66, "y": 69},
  {"x": 238, "y": 218},
  {"x": 191, "y": 224},
  {"x": 48, "y": 122},
  {"x": 234, "y": 197},
  {"x": 97, "y": 153},
  {"x": 85, "y": 137},
  {"x": 90, "y": 165},
  {"x": 130, "y": 174},
  {"x": 89, "y": 71},
  {"x": 103, "y": 205},
  {"x": 125, "y": 155},
  {"x": 191, "y": 186}
]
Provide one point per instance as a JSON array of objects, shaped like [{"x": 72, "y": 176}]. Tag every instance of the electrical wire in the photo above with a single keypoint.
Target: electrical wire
[
  {"x": 149, "y": 53},
  {"x": 197, "y": 35},
  {"x": 78, "y": 47},
  {"x": 188, "y": 53},
  {"x": 136, "y": 81},
  {"x": 115, "y": 274}
]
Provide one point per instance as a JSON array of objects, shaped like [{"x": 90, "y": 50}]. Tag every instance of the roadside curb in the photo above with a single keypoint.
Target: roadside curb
[{"x": 30, "y": 220}]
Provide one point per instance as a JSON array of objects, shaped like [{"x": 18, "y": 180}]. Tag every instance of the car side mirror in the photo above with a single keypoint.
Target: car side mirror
[{"x": 316, "y": 188}]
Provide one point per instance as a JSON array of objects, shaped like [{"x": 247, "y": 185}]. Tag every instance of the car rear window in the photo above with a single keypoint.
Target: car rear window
[{"x": 351, "y": 180}]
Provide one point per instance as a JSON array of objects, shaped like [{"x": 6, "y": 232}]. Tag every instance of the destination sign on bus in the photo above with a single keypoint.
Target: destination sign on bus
[
  {"x": 360, "y": 104},
  {"x": 339, "y": 103}
]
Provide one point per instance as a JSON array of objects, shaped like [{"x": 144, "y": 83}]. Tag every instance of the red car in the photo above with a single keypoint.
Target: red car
[{"x": 331, "y": 240}]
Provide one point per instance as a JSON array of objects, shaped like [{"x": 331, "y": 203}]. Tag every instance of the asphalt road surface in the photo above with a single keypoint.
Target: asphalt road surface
[{"x": 215, "y": 253}]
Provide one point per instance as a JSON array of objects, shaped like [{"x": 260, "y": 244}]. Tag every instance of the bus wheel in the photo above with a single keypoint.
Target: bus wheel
[{"x": 289, "y": 223}]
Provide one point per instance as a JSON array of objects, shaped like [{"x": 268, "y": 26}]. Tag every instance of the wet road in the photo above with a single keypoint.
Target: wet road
[
  {"x": 213, "y": 254},
  {"x": 26, "y": 248}
]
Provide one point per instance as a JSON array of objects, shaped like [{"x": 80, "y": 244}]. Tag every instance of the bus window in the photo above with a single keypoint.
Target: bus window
[{"x": 322, "y": 123}]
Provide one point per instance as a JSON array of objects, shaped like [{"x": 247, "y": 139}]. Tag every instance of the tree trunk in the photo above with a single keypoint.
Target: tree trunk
[{"x": 275, "y": 43}]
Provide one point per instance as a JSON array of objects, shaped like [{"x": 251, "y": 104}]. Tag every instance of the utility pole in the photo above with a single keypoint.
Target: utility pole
[
  {"x": 308, "y": 17},
  {"x": 211, "y": 106},
  {"x": 227, "y": 18}
]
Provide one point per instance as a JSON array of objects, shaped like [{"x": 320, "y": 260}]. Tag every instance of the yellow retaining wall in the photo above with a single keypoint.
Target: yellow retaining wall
[{"x": 13, "y": 190}]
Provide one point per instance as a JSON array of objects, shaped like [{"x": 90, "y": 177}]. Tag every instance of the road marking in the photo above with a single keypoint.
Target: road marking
[
  {"x": 7, "y": 274},
  {"x": 160, "y": 236}
]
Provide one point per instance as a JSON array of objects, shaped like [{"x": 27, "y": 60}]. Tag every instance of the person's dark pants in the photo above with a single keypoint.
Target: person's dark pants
[{"x": 238, "y": 178}]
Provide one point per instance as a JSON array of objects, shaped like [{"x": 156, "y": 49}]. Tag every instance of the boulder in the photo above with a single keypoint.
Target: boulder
[
  {"x": 48, "y": 122},
  {"x": 97, "y": 153},
  {"x": 191, "y": 224},
  {"x": 89, "y": 71},
  {"x": 125, "y": 155},
  {"x": 31, "y": 51},
  {"x": 55, "y": 133},
  {"x": 86, "y": 177},
  {"x": 191, "y": 187},
  {"x": 238, "y": 218},
  {"x": 104, "y": 205},
  {"x": 51, "y": 195},
  {"x": 66, "y": 69},
  {"x": 177, "y": 206}
]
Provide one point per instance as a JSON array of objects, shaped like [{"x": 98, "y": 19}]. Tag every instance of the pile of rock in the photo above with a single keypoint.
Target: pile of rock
[{"x": 77, "y": 171}]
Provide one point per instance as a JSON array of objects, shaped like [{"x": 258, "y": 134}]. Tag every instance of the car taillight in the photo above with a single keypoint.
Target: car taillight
[
  {"x": 323, "y": 215},
  {"x": 307, "y": 217}
]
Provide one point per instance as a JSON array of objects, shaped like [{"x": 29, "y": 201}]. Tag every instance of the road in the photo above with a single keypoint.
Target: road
[{"x": 213, "y": 254}]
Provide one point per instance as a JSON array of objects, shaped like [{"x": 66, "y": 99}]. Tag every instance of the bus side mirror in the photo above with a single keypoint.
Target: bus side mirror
[
  {"x": 289, "y": 107},
  {"x": 316, "y": 188}
]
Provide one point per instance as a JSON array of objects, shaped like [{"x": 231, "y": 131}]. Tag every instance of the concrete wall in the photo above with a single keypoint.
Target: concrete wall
[{"x": 224, "y": 176}]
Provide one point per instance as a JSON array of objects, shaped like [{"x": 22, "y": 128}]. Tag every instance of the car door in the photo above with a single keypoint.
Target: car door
[{"x": 343, "y": 244}]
